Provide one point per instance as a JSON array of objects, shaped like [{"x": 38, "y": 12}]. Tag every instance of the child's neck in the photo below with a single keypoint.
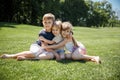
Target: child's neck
[
  {"x": 47, "y": 30},
  {"x": 57, "y": 35}
]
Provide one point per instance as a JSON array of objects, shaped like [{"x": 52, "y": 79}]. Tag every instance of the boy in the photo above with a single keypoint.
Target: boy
[{"x": 36, "y": 51}]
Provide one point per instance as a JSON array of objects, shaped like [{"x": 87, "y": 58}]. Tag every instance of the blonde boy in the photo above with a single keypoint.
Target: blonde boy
[{"x": 36, "y": 51}]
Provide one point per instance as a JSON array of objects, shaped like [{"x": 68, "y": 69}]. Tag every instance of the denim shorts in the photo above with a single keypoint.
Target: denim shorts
[{"x": 60, "y": 51}]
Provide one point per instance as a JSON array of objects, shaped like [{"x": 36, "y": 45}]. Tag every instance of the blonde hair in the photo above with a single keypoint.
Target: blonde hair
[
  {"x": 66, "y": 26},
  {"x": 57, "y": 24},
  {"x": 49, "y": 16}
]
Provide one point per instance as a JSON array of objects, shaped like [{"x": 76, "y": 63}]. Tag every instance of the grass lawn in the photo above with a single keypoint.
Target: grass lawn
[{"x": 104, "y": 42}]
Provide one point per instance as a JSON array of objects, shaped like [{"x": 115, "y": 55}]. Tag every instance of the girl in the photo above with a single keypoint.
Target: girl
[
  {"x": 36, "y": 51},
  {"x": 75, "y": 51}
]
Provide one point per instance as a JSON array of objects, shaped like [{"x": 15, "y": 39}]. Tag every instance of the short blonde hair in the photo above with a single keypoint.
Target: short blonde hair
[
  {"x": 66, "y": 25},
  {"x": 49, "y": 16},
  {"x": 58, "y": 24}
]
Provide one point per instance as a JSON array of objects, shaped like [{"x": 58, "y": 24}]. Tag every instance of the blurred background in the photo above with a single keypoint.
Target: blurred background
[{"x": 88, "y": 13}]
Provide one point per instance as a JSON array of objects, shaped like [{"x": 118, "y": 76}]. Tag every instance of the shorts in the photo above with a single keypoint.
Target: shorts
[
  {"x": 81, "y": 48},
  {"x": 45, "y": 54},
  {"x": 36, "y": 49},
  {"x": 60, "y": 51},
  {"x": 77, "y": 54}
]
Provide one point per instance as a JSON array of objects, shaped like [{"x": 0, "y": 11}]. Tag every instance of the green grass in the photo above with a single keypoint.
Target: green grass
[{"x": 104, "y": 42}]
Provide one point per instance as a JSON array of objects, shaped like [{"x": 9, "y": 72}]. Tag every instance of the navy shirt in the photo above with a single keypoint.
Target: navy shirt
[{"x": 46, "y": 35}]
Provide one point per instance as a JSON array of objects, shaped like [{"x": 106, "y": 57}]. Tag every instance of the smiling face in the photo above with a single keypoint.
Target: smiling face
[
  {"x": 66, "y": 29},
  {"x": 48, "y": 20},
  {"x": 66, "y": 33},
  {"x": 55, "y": 30},
  {"x": 48, "y": 23}
]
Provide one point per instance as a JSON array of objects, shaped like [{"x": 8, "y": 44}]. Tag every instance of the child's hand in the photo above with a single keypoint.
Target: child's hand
[
  {"x": 50, "y": 50},
  {"x": 41, "y": 38},
  {"x": 69, "y": 36},
  {"x": 44, "y": 45}
]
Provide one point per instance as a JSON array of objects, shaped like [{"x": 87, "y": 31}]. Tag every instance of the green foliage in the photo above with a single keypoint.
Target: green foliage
[
  {"x": 74, "y": 11},
  {"x": 100, "y": 14},
  {"x": 104, "y": 42},
  {"x": 78, "y": 12}
]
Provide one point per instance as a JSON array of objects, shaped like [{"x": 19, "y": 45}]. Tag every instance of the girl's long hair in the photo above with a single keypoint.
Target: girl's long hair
[{"x": 74, "y": 41}]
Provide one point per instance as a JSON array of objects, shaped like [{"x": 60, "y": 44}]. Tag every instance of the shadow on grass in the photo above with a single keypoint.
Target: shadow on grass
[
  {"x": 65, "y": 61},
  {"x": 70, "y": 61},
  {"x": 8, "y": 25}
]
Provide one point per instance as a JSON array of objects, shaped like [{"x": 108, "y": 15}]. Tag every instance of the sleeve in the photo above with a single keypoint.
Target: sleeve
[
  {"x": 55, "y": 40},
  {"x": 41, "y": 33}
]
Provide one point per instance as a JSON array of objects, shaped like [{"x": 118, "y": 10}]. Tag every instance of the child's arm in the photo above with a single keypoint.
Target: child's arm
[
  {"x": 46, "y": 41},
  {"x": 57, "y": 45},
  {"x": 45, "y": 44}
]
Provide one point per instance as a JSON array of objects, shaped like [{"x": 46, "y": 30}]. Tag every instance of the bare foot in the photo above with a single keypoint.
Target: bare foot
[
  {"x": 97, "y": 60},
  {"x": 4, "y": 56}
]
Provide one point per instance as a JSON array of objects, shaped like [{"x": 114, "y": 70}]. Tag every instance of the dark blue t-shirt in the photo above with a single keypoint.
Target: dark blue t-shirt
[{"x": 46, "y": 35}]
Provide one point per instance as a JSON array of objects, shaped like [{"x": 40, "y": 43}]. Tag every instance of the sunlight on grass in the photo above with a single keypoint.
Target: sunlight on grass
[{"x": 104, "y": 42}]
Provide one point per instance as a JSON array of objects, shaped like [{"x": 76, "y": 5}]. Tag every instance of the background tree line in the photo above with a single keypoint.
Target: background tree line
[{"x": 78, "y": 12}]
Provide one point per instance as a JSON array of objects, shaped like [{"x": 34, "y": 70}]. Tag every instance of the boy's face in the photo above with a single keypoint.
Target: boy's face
[
  {"x": 66, "y": 33},
  {"x": 55, "y": 30},
  {"x": 47, "y": 23}
]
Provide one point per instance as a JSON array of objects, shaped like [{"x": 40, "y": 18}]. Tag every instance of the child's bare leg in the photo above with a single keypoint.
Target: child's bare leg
[
  {"x": 46, "y": 55},
  {"x": 20, "y": 58},
  {"x": 86, "y": 57},
  {"x": 24, "y": 53},
  {"x": 62, "y": 56},
  {"x": 56, "y": 55},
  {"x": 68, "y": 56},
  {"x": 78, "y": 55}
]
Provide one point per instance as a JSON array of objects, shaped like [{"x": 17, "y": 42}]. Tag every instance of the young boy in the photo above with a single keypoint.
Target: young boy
[{"x": 36, "y": 51}]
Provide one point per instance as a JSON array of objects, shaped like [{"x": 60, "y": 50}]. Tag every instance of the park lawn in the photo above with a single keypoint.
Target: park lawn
[{"x": 104, "y": 42}]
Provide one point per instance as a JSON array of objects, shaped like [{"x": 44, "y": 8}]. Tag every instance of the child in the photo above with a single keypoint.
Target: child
[
  {"x": 76, "y": 51},
  {"x": 56, "y": 30},
  {"x": 36, "y": 51}
]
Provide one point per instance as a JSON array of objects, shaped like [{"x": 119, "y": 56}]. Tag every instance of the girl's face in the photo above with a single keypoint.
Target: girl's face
[
  {"x": 48, "y": 24},
  {"x": 55, "y": 30},
  {"x": 66, "y": 33}
]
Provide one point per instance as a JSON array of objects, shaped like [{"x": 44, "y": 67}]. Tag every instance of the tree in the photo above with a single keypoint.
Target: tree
[
  {"x": 74, "y": 11},
  {"x": 99, "y": 13}
]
